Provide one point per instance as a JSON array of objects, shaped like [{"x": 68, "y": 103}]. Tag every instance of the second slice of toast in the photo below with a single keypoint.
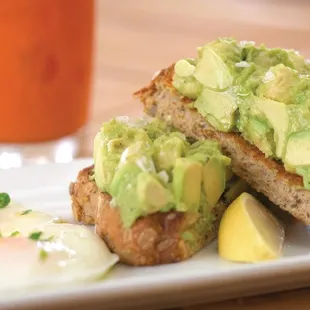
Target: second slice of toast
[{"x": 263, "y": 174}]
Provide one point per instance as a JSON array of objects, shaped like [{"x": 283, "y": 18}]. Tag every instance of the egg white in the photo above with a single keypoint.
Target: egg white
[
  {"x": 64, "y": 253},
  {"x": 16, "y": 219}
]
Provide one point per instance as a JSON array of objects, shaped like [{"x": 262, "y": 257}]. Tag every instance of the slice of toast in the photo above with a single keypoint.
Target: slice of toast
[
  {"x": 263, "y": 174},
  {"x": 152, "y": 240}
]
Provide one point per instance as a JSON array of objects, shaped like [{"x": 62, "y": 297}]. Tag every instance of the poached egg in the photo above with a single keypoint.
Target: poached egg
[{"x": 38, "y": 250}]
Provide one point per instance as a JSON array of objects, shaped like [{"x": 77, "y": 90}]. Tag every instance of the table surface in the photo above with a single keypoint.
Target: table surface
[{"x": 136, "y": 38}]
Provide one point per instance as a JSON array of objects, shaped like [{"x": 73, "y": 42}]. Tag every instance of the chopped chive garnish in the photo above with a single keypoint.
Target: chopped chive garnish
[
  {"x": 26, "y": 212},
  {"x": 15, "y": 233},
  {"x": 43, "y": 255},
  {"x": 4, "y": 200},
  {"x": 35, "y": 235},
  {"x": 48, "y": 239}
]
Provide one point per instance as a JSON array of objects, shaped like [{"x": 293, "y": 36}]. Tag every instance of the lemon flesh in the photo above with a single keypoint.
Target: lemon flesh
[{"x": 249, "y": 232}]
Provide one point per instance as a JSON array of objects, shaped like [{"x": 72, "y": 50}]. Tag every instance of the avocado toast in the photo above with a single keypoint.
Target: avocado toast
[
  {"x": 155, "y": 196},
  {"x": 255, "y": 102}
]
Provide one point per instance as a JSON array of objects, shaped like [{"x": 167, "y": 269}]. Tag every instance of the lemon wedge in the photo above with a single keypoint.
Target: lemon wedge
[{"x": 249, "y": 232}]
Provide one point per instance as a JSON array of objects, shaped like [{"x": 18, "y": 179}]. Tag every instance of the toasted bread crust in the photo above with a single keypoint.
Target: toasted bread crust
[
  {"x": 152, "y": 240},
  {"x": 265, "y": 175},
  {"x": 84, "y": 197}
]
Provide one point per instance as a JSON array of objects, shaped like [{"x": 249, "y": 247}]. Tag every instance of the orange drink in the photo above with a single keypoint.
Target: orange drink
[{"x": 45, "y": 68}]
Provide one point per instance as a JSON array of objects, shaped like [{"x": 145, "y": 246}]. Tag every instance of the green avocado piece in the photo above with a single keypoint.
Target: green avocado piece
[
  {"x": 184, "y": 81},
  {"x": 235, "y": 190},
  {"x": 167, "y": 149},
  {"x": 215, "y": 67},
  {"x": 186, "y": 184},
  {"x": 280, "y": 83},
  {"x": 214, "y": 180},
  {"x": 184, "y": 68},
  {"x": 104, "y": 167},
  {"x": 277, "y": 115},
  {"x": 299, "y": 116},
  {"x": 228, "y": 49},
  {"x": 298, "y": 149},
  {"x": 109, "y": 144},
  {"x": 202, "y": 150},
  {"x": 219, "y": 108},
  {"x": 266, "y": 57},
  {"x": 304, "y": 171},
  {"x": 123, "y": 189},
  {"x": 260, "y": 134},
  {"x": 299, "y": 62},
  {"x": 249, "y": 79},
  {"x": 302, "y": 94},
  {"x": 153, "y": 196},
  {"x": 187, "y": 86},
  {"x": 140, "y": 153},
  {"x": 155, "y": 128}
]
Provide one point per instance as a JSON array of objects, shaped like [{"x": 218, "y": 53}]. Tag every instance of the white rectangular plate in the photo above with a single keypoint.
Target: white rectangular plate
[{"x": 203, "y": 278}]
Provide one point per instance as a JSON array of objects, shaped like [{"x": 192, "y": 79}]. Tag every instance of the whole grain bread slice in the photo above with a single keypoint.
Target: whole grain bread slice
[{"x": 263, "y": 174}]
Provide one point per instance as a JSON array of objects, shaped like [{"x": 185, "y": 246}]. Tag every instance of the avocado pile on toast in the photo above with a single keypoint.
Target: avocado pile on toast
[
  {"x": 255, "y": 102},
  {"x": 154, "y": 195}
]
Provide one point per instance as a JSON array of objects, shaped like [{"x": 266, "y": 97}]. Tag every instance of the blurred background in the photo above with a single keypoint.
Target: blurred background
[{"x": 108, "y": 50}]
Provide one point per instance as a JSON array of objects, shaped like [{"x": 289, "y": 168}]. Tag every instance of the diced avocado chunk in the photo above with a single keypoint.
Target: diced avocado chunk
[
  {"x": 188, "y": 236},
  {"x": 133, "y": 154},
  {"x": 266, "y": 57},
  {"x": 299, "y": 62},
  {"x": 187, "y": 86},
  {"x": 249, "y": 79},
  {"x": 202, "y": 150},
  {"x": 302, "y": 91},
  {"x": 214, "y": 180},
  {"x": 304, "y": 171},
  {"x": 104, "y": 166},
  {"x": 228, "y": 49},
  {"x": 124, "y": 190},
  {"x": 167, "y": 149},
  {"x": 186, "y": 184},
  {"x": 277, "y": 115},
  {"x": 235, "y": 190},
  {"x": 279, "y": 83},
  {"x": 219, "y": 108},
  {"x": 184, "y": 68},
  {"x": 269, "y": 57},
  {"x": 299, "y": 116},
  {"x": 155, "y": 128},
  {"x": 298, "y": 149},
  {"x": 110, "y": 142},
  {"x": 260, "y": 134},
  {"x": 184, "y": 81},
  {"x": 216, "y": 64},
  {"x": 212, "y": 72},
  {"x": 153, "y": 196}
]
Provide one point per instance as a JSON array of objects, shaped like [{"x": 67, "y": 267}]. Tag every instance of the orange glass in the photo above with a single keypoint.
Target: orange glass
[{"x": 45, "y": 68}]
